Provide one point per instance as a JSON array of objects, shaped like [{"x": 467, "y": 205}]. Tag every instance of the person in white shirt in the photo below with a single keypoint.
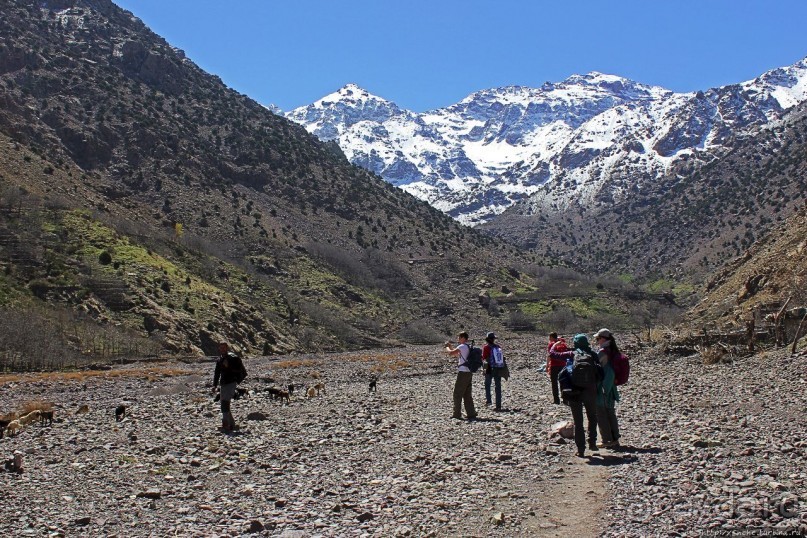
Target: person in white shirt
[{"x": 462, "y": 388}]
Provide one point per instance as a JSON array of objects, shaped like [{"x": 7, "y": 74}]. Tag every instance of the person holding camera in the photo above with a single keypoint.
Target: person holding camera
[{"x": 463, "y": 385}]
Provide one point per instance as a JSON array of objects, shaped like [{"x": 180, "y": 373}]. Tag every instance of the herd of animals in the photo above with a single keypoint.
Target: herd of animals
[{"x": 12, "y": 424}]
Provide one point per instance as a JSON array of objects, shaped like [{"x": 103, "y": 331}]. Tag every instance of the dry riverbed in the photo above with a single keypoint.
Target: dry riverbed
[{"x": 708, "y": 453}]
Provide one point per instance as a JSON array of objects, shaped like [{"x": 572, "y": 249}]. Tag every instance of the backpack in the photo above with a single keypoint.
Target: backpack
[
  {"x": 238, "y": 364},
  {"x": 621, "y": 367},
  {"x": 496, "y": 359},
  {"x": 586, "y": 370},
  {"x": 474, "y": 359}
]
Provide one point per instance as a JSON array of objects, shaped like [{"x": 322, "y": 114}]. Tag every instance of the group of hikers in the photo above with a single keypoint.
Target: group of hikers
[{"x": 582, "y": 378}]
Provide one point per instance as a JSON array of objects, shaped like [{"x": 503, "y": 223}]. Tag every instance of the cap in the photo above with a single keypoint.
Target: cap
[{"x": 603, "y": 332}]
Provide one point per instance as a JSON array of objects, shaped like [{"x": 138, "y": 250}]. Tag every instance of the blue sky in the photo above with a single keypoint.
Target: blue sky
[{"x": 425, "y": 54}]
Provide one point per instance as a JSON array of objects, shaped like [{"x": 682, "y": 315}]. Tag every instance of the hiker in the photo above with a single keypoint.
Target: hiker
[
  {"x": 463, "y": 385},
  {"x": 230, "y": 371},
  {"x": 581, "y": 391},
  {"x": 495, "y": 369},
  {"x": 555, "y": 365},
  {"x": 607, "y": 394}
]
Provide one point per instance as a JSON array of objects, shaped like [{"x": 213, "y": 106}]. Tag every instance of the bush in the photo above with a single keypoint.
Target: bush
[
  {"x": 421, "y": 332},
  {"x": 105, "y": 258},
  {"x": 519, "y": 321}
]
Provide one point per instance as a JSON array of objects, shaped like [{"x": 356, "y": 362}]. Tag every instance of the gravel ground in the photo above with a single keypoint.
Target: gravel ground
[{"x": 712, "y": 453}]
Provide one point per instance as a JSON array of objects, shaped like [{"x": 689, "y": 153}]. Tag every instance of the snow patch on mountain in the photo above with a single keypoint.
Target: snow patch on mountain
[{"x": 592, "y": 136}]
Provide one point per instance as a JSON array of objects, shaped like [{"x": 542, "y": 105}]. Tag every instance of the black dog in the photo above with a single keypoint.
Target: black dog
[
  {"x": 120, "y": 412},
  {"x": 46, "y": 416}
]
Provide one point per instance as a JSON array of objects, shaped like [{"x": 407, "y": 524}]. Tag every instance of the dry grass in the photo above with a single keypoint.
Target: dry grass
[
  {"x": 35, "y": 405},
  {"x": 390, "y": 366},
  {"x": 711, "y": 355},
  {"x": 150, "y": 374},
  {"x": 295, "y": 363}
]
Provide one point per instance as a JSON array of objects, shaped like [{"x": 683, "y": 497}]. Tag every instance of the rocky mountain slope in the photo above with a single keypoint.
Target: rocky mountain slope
[
  {"x": 142, "y": 191},
  {"x": 759, "y": 282},
  {"x": 587, "y": 138},
  {"x": 689, "y": 222}
]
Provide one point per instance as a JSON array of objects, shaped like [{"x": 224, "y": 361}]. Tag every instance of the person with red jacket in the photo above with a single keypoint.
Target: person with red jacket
[{"x": 555, "y": 364}]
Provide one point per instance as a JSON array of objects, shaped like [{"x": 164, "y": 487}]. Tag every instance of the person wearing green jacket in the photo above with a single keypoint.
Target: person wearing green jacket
[{"x": 607, "y": 394}]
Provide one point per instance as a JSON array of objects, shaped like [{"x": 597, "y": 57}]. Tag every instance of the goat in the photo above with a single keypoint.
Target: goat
[
  {"x": 320, "y": 387},
  {"x": 291, "y": 389},
  {"x": 120, "y": 413},
  {"x": 372, "y": 387},
  {"x": 3, "y": 425},
  {"x": 13, "y": 428},
  {"x": 312, "y": 392},
  {"x": 274, "y": 392},
  {"x": 284, "y": 394},
  {"x": 30, "y": 417}
]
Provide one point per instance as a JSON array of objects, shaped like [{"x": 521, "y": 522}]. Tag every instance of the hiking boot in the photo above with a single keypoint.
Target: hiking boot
[
  {"x": 472, "y": 417},
  {"x": 581, "y": 453},
  {"x": 593, "y": 447}
]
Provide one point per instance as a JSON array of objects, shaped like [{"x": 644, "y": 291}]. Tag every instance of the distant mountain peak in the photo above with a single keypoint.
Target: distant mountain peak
[{"x": 589, "y": 134}]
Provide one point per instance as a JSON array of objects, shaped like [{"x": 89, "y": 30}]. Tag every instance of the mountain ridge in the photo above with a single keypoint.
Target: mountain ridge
[{"x": 499, "y": 146}]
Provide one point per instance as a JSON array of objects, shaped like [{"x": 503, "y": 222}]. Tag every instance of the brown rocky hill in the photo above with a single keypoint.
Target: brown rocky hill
[
  {"x": 141, "y": 190},
  {"x": 683, "y": 226},
  {"x": 762, "y": 280},
  {"x": 147, "y": 203}
]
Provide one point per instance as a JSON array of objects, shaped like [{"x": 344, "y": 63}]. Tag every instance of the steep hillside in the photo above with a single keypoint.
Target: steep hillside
[
  {"x": 761, "y": 280},
  {"x": 684, "y": 225},
  {"x": 585, "y": 138},
  {"x": 220, "y": 219}
]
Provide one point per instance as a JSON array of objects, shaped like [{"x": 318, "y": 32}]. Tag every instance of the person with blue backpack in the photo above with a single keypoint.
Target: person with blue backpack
[
  {"x": 607, "y": 394},
  {"x": 495, "y": 369},
  {"x": 469, "y": 359}
]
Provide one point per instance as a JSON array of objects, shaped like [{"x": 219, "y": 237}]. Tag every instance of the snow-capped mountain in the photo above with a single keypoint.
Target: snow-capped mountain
[{"x": 590, "y": 136}]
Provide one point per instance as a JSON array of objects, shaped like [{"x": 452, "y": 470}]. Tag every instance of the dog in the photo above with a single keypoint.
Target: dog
[
  {"x": 320, "y": 387},
  {"x": 291, "y": 389},
  {"x": 13, "y": 428},
  {"x": 372, "y": 387},
  {"x": 46, "y": 416},
  {"x": 312, "y": 392},
  {"x": 3, "y": 425},
  {"x": 120, "y": 413},
  {"x": 30, "y": 417}
]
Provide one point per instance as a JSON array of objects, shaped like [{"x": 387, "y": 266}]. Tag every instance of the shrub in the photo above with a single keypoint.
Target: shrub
[
  {"x": 420, "y": 332},
  {"x": 105, "y": 258},
  {"x": 518, "y": 321}
]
